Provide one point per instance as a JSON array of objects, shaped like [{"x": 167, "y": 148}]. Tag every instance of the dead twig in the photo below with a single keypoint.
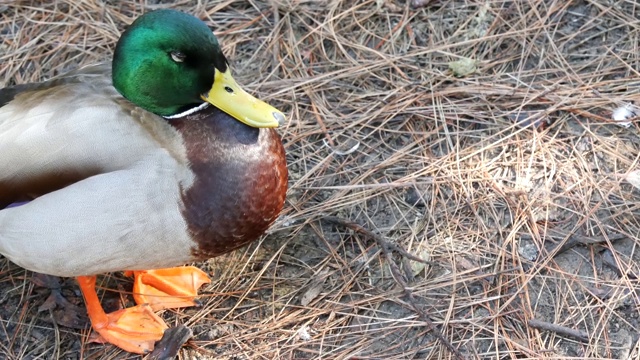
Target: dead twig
[
  {"x": 574, "y": 240},
  {"x": 380, "y": 241},
  {"x": 559, "y": 329},
  {"x": 386, "y": 248}
]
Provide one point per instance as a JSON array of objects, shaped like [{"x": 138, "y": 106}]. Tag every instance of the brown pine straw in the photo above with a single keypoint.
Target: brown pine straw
[{"x": 516, "y": 223}]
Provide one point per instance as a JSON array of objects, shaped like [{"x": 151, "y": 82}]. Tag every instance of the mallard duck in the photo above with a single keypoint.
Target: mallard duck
[{"x": 154, "y": 161}]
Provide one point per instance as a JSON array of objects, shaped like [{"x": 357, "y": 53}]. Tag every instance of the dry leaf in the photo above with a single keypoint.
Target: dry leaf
[{"x": 463, "y": 67}]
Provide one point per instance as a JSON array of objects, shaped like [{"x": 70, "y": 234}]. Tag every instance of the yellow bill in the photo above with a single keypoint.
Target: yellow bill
[{"x": 228, "y": 96}]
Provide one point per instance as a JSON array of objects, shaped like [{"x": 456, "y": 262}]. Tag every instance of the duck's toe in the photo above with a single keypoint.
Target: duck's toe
[
  {"x": 168, "y": 288},
  {"x": 134, "y": 329}
]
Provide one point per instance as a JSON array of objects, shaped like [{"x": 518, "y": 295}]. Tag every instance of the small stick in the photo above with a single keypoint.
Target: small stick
[
  {"x": 559, "y": 329},
  {"x": 385, "y": 246},
  {"x": 379, "y": 240},
  {"x": 575, "y": 239}
]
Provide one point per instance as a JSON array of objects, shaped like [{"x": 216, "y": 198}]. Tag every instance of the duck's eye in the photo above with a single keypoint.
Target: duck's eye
[
  {"x": 228, "y": 89},
  {"x": 177, "y": 56}
]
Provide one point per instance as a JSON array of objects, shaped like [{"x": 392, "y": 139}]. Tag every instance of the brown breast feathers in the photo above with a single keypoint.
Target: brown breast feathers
[{"x": 240, "y": 185}]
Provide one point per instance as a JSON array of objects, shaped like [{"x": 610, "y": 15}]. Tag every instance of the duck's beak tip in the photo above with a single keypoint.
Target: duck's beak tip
[{"x": 279, "y": 117}]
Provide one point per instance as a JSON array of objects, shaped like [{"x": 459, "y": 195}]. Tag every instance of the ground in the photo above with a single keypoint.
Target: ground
[{"x": 476, "y": 135}]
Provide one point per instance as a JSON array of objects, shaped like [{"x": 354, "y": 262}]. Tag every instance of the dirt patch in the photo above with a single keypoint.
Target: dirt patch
[{"x": 508, "y": 178}]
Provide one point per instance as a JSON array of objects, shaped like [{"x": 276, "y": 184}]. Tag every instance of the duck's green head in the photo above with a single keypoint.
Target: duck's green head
[{"x": 167, "y": 62}]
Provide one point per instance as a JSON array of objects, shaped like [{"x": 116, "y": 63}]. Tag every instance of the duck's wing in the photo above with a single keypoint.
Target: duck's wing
[
  {"x": 6, "y": 95},
  {"x": 9, "y": 93},
  {"x": 103, "y": 173},
  {"x": 41, "y": 130},
  {"x": 65, "y": 130}
]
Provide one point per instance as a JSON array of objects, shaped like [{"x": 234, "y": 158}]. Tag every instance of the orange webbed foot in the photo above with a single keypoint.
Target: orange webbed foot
[
  {"x": 168, "y": 288},
  {"x": 133, "y": 329}
]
